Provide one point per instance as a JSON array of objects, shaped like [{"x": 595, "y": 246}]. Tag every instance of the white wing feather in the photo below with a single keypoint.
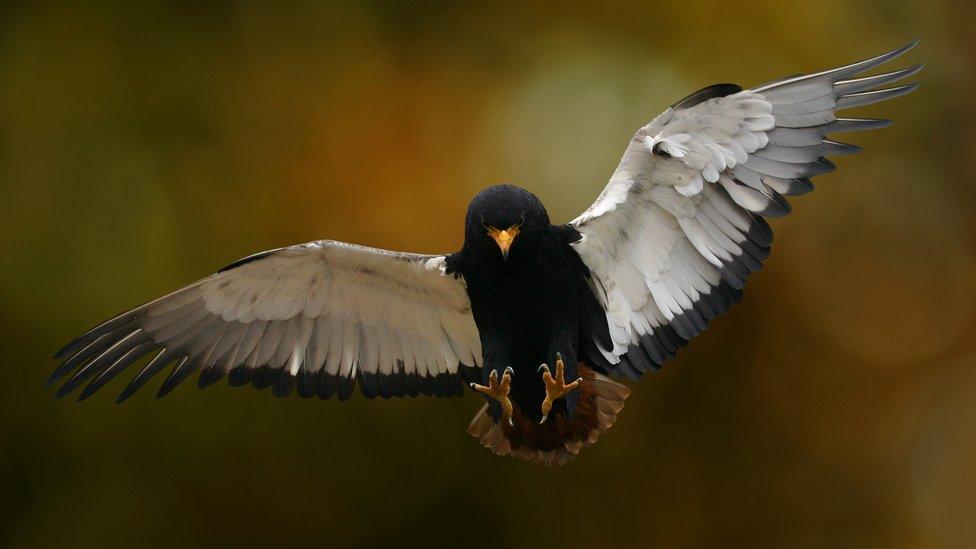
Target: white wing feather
[
  {"x": 320, "y": 315},
  {"x": 673, "y": 236}
]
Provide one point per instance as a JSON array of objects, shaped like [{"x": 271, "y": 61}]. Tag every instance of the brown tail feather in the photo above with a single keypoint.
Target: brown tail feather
[{"x": 558, "y": 440}]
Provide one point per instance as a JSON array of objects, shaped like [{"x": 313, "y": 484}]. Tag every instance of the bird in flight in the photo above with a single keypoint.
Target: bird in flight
[{"x": 535, "y": 317}]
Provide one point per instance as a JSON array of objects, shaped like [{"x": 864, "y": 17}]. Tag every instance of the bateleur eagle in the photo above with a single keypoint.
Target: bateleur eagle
[{"x": 534, "y": 316}]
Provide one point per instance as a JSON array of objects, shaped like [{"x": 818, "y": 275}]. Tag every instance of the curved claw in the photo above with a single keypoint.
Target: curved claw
[
  {"x": 498, "y": 390},
  {"x": 556, "y": 387}
]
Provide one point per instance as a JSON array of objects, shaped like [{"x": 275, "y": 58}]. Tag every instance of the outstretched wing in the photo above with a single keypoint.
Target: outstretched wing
[
  {"x": 318, "y": 316},
  {"x": 673, "y": 236}
]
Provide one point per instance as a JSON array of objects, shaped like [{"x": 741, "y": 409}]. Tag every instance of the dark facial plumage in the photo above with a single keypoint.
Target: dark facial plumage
[
  {"x": 528, "y": 304},
  {"x": 501, "y": 207}
]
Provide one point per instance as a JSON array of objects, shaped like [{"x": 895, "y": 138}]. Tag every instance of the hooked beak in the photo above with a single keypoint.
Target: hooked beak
[{"x": 504, "y": 239}]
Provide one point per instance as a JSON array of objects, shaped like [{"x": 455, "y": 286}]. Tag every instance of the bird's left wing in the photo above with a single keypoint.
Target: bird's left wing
[
  {"x": 319, "y": 316},
  {"x": 673, "y": 236}
]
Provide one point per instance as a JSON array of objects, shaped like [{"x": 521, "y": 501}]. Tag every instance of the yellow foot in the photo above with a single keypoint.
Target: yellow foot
[
  {"x": 555, "y": 388},
  {"x": 499, "y": 391}
]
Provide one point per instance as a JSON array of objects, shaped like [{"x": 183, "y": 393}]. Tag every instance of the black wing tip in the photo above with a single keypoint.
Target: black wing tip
[
  {"x": 131, "y": 388},
  {"x": 248, "y": 259},
  {"x": 66, "y": 367},
  {"x": 126, "y": 393},
  {"x": 94, "y": 386},
  {"x": 60, "y": 353},
  {"x": 837, "y": 148},
  {"x": 70, "y": 386},
  {"x": 87, "y": 393},
  {"x": 706, "y": 93},
  {"x": 209, "y": 376},
  {"x": 69, "y": 348},
  {"x": 284, "y": 385},
  {"x": 180, "y": 372},
  {"x": 52, "y": 379}
]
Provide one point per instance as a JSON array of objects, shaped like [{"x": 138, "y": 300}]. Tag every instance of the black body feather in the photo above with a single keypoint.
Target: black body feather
[{"x": 532, "y": 305}]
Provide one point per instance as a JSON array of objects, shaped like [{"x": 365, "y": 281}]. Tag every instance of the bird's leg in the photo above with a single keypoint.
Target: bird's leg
[
  {"x": 499, "y": 391},
  {"x": 555, "y": 388}
]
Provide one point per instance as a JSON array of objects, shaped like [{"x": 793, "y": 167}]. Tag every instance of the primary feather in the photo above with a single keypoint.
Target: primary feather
[
  {"x": 679, "y": 227},
  {"x": 666, "y": 247},
  {"x": 319, "y": 316}
]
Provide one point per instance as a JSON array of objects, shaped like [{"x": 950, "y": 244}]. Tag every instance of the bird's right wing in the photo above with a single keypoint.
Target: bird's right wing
[
  {"x": 670, "y": 241},
  {"x": 319, "y": 316}
]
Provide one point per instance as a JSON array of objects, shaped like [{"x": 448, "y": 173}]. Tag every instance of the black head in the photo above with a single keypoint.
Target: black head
[{"x": 502, "y": 220}]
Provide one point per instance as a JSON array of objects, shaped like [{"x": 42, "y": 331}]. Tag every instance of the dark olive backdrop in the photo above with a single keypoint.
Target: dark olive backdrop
[{"x": 144, "y": 145}]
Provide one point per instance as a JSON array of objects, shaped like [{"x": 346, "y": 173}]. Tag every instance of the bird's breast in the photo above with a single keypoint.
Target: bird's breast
[{"x": 521, "y": 307}]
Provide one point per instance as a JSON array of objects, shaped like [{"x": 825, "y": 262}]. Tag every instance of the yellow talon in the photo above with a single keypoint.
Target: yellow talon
[
  {"x": 555, "y": 388},
  {"x": 499, "y": 391}
]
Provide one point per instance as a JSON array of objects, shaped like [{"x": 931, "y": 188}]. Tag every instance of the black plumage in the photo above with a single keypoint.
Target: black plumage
[
  {"x": 534, "y": 303},
  {"x": 665, "y": 249}
]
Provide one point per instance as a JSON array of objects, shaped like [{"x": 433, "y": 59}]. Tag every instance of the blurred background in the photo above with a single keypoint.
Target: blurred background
[{"x": 144, "y": 146}]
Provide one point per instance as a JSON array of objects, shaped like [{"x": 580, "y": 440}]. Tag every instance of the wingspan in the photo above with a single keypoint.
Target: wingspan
[
  {"x": 319, "y": 317},
  {"x": 672, "y": 238}
]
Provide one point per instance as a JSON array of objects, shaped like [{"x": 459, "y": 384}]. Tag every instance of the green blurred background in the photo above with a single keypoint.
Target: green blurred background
[{"x": 144, "y": 146}]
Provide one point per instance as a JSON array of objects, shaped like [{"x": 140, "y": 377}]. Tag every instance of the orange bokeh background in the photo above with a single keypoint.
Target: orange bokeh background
[{"x": 145, "y": 146}]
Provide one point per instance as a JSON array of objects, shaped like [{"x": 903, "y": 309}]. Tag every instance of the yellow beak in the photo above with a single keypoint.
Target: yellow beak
[{"x": 504, "y": 238}]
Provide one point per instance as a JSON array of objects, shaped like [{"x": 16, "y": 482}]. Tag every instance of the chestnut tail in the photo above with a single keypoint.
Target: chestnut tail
[{"x": 559, "y": 439}]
